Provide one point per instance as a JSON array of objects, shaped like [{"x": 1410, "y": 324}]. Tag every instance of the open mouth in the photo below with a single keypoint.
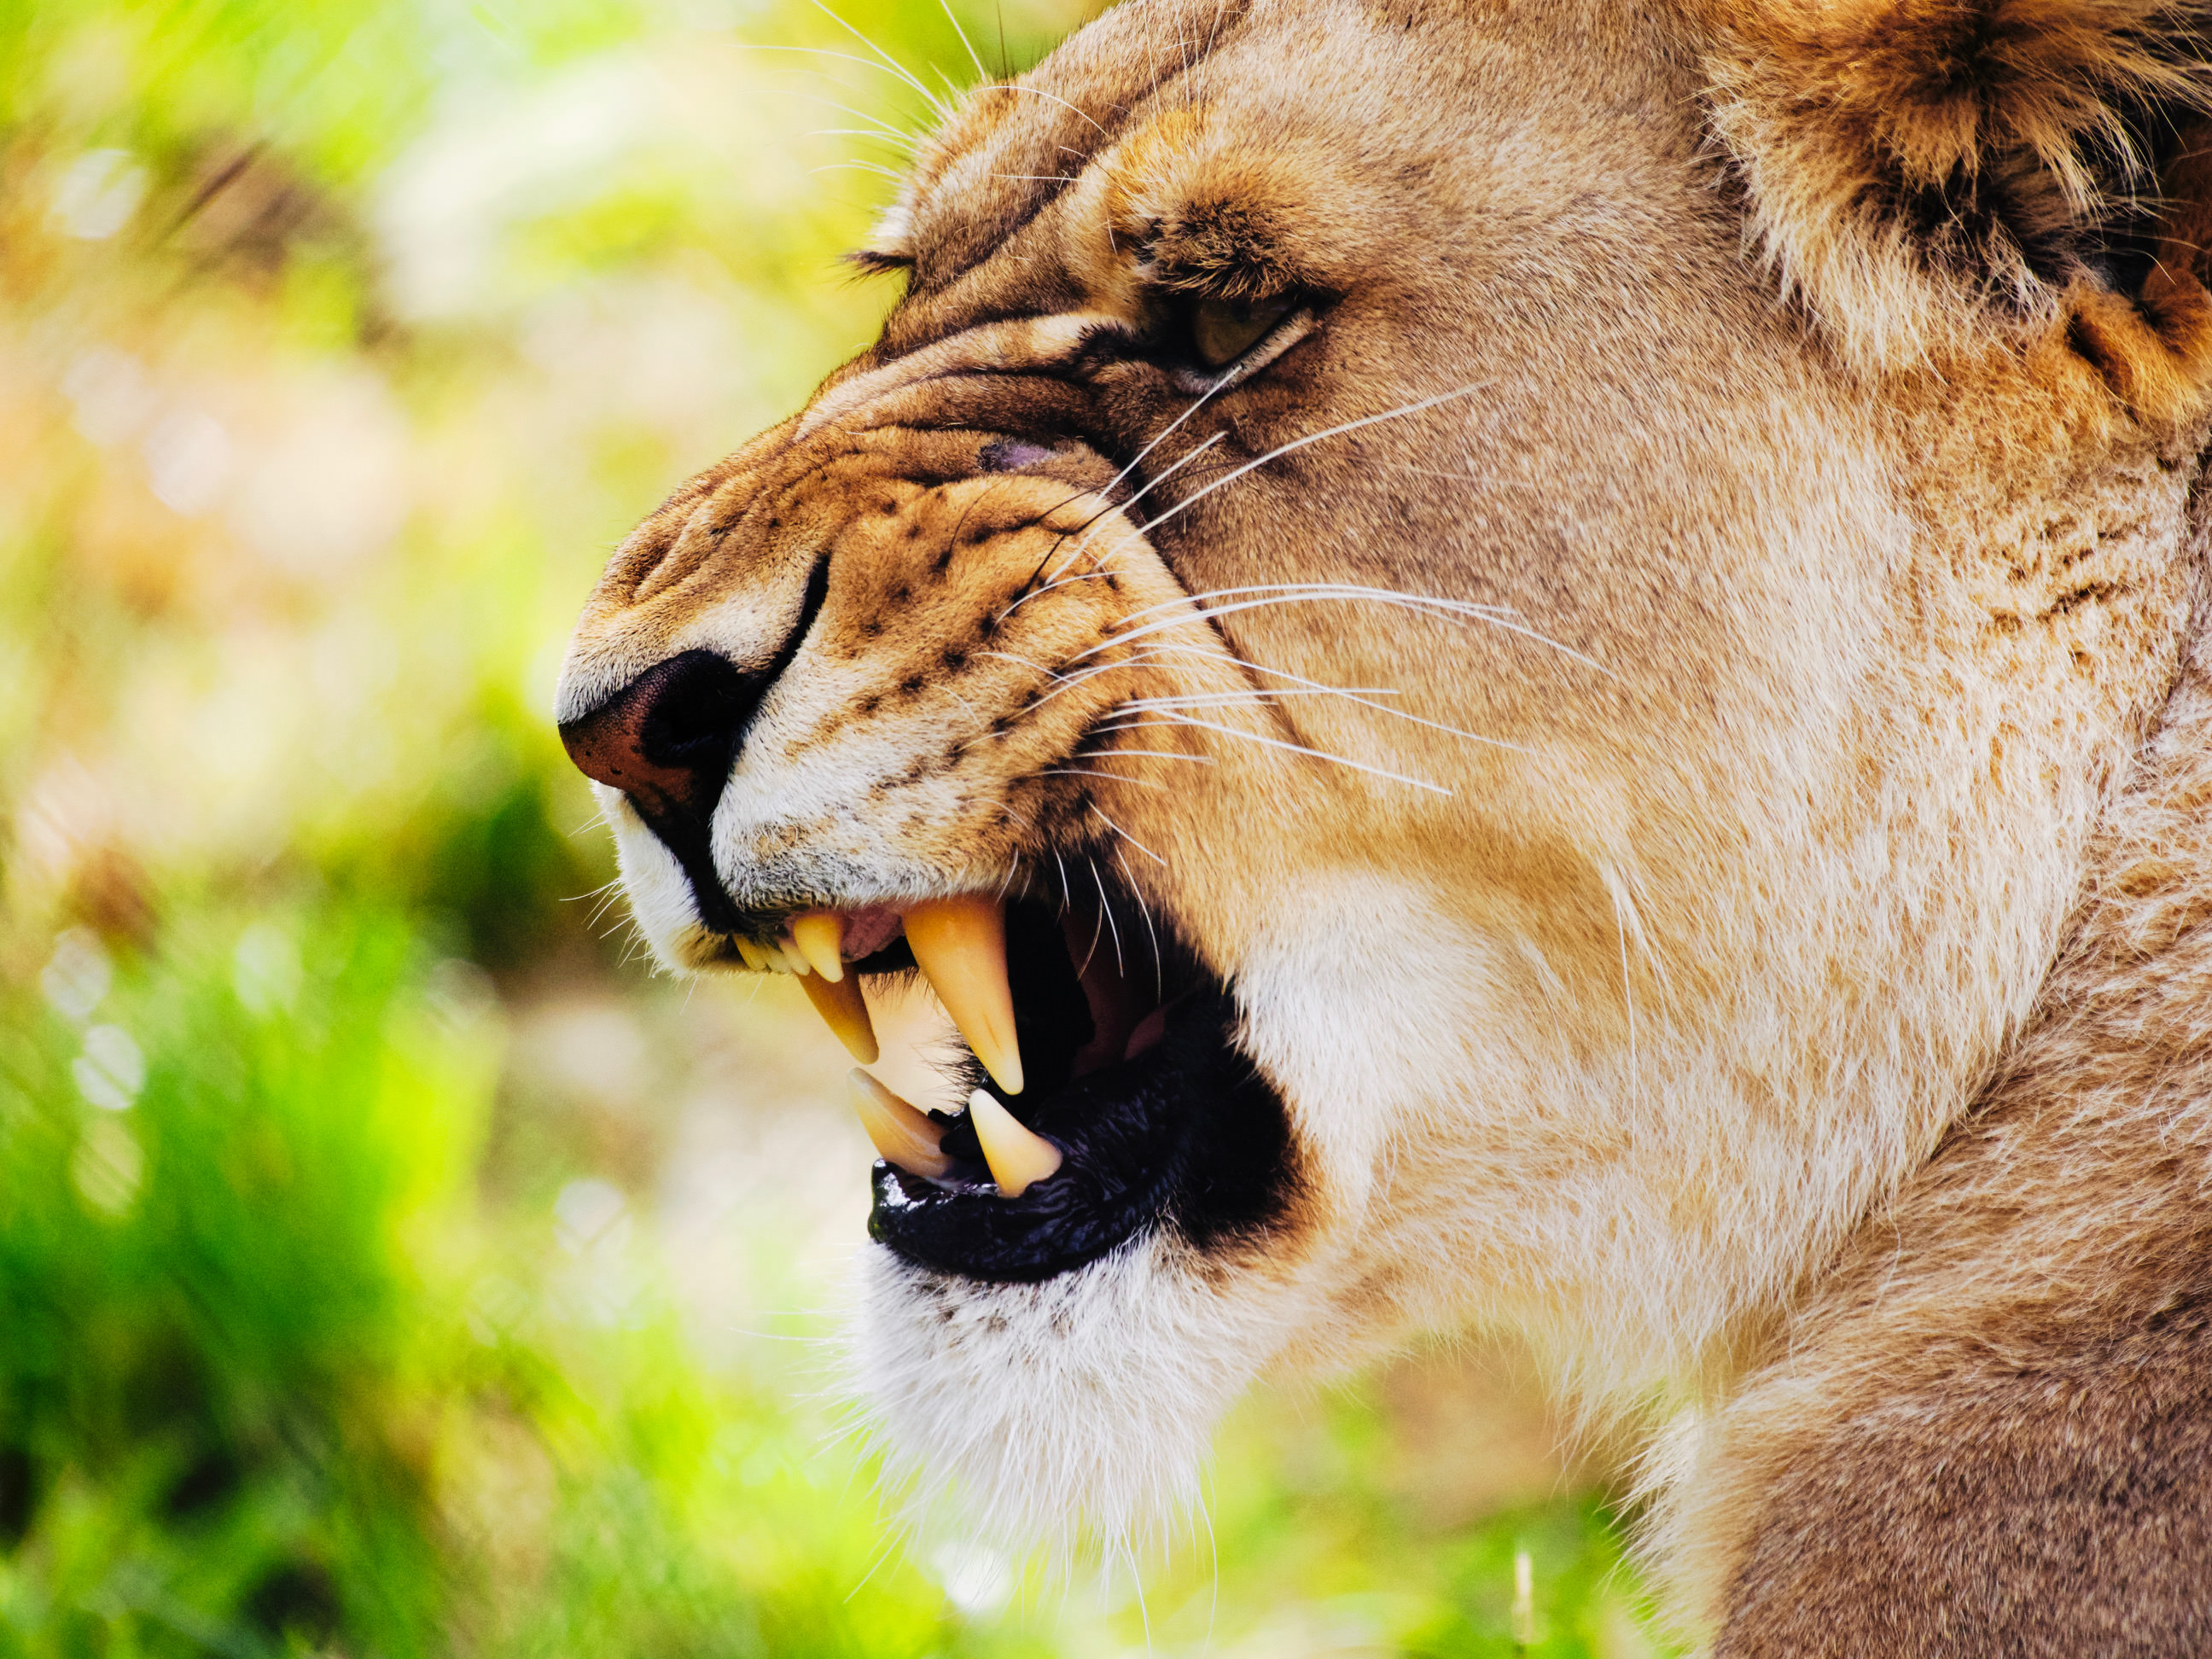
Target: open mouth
[{"x": 1105, "y": 1094}]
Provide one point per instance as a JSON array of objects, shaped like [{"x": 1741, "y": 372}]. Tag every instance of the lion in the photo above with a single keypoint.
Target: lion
[{"x": 1531, "y": 667}]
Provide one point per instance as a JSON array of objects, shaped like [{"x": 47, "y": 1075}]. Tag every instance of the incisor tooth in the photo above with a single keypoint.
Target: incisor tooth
[
  {"x": 1019, "y": 1157},
  {"x": 752, "y": 955},
  {"x": 838, "y": 1002},
  {"x": 960, "y": 945},
  {"x": 900, "y": 1134},
  {"x": 820, "y": 937}
]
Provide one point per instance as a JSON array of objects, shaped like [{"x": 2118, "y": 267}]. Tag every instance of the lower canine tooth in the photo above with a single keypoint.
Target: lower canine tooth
[
  {"x": 838, "y": 1002},
  {"x": 960, "y": 945},
  {"x": 900, "y": 1134},
  {"x": 1019, "y": 1157},
  {"x": 820, "y": 937}
]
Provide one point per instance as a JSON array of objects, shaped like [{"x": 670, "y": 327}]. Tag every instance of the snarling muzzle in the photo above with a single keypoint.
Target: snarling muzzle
[{"x": 849, "y": 697}]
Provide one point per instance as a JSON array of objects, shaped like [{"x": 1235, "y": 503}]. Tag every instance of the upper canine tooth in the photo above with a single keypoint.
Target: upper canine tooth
[
  {"x": 960, "y": 945},
  {"x": 838, "y": 1001},
  {"x": 900, "y": 1134},
  {"x": 1019, "y": 1157},
  {"x": 820, "y": 937}
]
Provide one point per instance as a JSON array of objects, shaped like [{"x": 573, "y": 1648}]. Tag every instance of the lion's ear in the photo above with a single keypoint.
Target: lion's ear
[{"x": 1925, "y": 173}]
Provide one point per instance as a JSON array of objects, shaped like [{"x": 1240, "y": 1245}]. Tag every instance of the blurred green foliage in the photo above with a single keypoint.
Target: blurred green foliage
[{"x": 384, "y": 1268}]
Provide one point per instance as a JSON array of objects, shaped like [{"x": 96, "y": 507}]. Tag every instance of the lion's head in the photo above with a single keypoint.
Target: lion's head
[{"x": 1478, "y": 644}]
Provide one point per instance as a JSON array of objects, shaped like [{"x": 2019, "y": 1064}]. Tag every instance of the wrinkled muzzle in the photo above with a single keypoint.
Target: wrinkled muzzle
[{"x": 851, "y": 699}]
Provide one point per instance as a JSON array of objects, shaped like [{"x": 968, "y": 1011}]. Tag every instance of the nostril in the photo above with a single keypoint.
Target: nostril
[
  {"x": 695, "y": 717},
  {"x": 667, "y": 738}
]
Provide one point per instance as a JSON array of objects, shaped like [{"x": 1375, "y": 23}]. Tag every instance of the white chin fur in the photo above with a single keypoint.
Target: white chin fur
[{"x": 1044, "y": 1415}]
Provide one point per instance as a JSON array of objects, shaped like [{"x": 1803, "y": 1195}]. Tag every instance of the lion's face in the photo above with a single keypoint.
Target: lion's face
[{"x": 1510, "y": 780}]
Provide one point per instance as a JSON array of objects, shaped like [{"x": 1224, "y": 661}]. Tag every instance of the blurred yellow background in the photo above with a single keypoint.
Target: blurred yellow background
[{"x": 388, "y": 1265}]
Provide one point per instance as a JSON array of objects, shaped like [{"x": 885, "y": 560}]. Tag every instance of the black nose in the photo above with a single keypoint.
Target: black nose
[{"x": 666, "y": 739}]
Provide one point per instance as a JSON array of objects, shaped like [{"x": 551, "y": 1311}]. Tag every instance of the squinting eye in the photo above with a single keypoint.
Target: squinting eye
[{"x": 1222, "y": 330}]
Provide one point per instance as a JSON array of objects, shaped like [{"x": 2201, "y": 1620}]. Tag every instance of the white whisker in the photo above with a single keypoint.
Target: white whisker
[
  {"x": 1318, "y": 591},
  {"x": 1123, "y": 507},
  {"x": 973, "y": 56},
  {"x": 899, "y": 138},
  {"x": 1258, "y": 696},
  {"x": 1115, "y": 777},
  {"x": 856, "y": 166},
  {"x": 1126, "y": 836},
  {"x": 1337, "y": 431},
  {"x": 1282, "y": 744},
  {"x": 1494, "y": 616},
  {"x": 1041, "y": 93},
  {"x": 943, "y": 111},
  {"x": 1154, "y": 754},
  {"x": 1106, "y": 908},
  {"x": 1143, "y": 909},
  {"x": 876, "y": 121}
]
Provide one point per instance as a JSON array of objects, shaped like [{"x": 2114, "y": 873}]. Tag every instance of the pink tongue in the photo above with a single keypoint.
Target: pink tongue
[
  {"x": 869, "y": 930},
  {"x": 1149, "y": 1030}
]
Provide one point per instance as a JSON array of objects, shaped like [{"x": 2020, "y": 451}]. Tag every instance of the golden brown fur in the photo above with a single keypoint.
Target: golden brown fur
[{"x": 1677, "y": 733}]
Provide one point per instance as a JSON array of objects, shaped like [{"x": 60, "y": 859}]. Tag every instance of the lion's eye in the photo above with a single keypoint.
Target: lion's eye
[{"x": 1222, "y": 330}]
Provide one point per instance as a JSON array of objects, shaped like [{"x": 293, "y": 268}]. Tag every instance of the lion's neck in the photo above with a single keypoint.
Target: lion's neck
[{"x": 2063, "y": 1216}]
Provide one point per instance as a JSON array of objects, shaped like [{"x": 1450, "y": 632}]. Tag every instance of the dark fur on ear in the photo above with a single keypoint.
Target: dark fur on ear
[{"x": 1927, "y": 173}]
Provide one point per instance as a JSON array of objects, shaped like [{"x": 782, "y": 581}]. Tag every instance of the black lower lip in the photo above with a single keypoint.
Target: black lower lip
[{"x": 1187, "y": 1136}]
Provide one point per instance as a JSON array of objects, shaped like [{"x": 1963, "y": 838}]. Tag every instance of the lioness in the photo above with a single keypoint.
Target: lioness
[{"x": 1534, "y": 663}]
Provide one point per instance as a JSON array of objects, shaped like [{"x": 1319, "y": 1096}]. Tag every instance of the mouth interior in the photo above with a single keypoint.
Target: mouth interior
[
  {"x": 1131, "y": 1073},
  {"x": 1087, "y": 999}
]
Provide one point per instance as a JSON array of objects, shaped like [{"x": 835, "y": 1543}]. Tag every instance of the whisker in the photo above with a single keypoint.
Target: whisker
[
  {"x": 1041, "y": 93},
  {"x": 973, "y": 56},
  {"x": 1311, "y": 438},
  {"x": 1113, "y": 507},
  {"x": 900, "y": 139},
  {"x": 1155, "y": 754},
  {"x": 1261, "y": 694},
  {"x": 1106, "y": 908},
  {"x": 1309, "y": 687},
  {"x": 943, "y": 111},
  {"x": 1138, "y": 460},
  {"x": 1283, "y": 743},
  {"x": 1097, "y": 931},
  {"x": 1348, "y": 697},
  {"x": 1143, "y": 909},
  {"x": 1288, "y": 594},
  {"x": 1495, "y": 616},
  {"x": 865, "y": 63},
  {"x": 880, "y": 171},
  {"x": 1126, "y": 836},
  {"x": 1114, "y": 777}
]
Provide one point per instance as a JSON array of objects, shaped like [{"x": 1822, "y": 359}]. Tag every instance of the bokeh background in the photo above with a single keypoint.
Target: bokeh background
[{"x": 389, "y": 1264}]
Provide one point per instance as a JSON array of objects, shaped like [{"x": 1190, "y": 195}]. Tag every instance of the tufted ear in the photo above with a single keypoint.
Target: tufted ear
[{"x": 1928, "y": 174}]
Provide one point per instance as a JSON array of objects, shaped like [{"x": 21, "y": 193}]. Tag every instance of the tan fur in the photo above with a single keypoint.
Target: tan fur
[{"x": 1785, "y": 417}]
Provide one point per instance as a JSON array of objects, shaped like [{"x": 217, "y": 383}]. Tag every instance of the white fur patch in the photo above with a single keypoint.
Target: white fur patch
[{"x": 1036, "y": 1413}]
